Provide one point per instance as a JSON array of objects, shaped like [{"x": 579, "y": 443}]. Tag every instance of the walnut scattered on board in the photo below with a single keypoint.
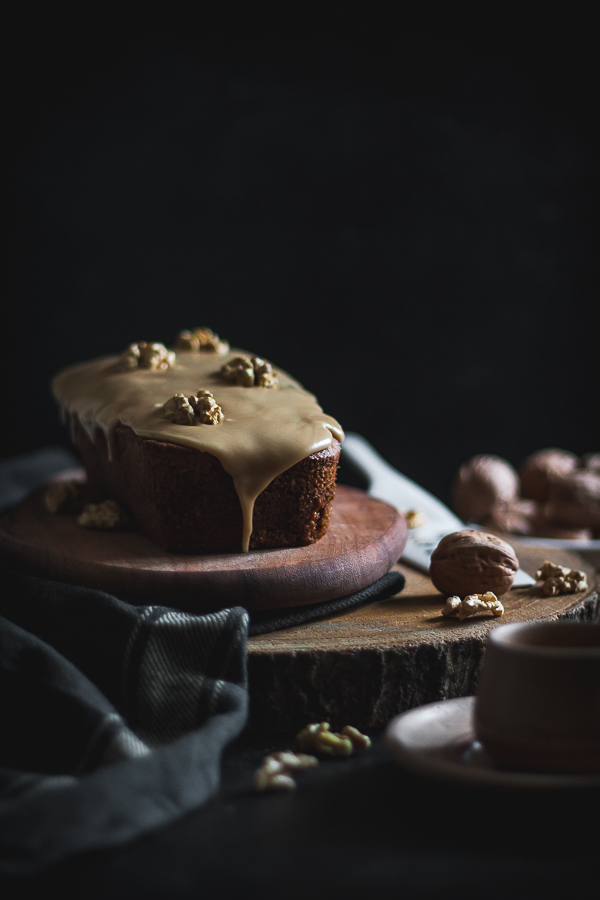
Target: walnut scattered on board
[
  {"x": 197, "y": 409},
  {"x": 275, "y": 772},
  {"x": 201, "y": 339},
  {"x": 471, "y": 605},
  {"x": 414, "y": 518},
  {"x": 105, "y": 516},
  {"x": 249, "y": 372},
  {"x": 64, "y": 496},
  {"x": 147, "y": 356},
  {"x": 560, "y": 580},
  {"x": 473, "y": 562}
]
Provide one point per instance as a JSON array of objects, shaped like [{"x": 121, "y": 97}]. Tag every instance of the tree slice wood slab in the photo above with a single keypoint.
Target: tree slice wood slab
[
  {"x": 366, "y": 665},
  {"x": 364, "y": 539}
]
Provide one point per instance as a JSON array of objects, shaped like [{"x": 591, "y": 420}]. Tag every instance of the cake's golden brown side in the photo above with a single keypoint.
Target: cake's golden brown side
[{"x": 184, "y": 500}]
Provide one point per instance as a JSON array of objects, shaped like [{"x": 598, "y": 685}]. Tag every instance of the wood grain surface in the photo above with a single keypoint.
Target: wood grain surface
[
  {"x": 365, "y": 666},
  {"x": 364, "y": 539}
]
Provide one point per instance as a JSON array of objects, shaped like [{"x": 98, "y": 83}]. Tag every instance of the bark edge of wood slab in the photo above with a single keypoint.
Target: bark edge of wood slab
[{"x": 366, "y": 665}]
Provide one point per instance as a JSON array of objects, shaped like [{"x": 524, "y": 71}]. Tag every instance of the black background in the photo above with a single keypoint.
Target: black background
[{"x": 405, "y": 221}]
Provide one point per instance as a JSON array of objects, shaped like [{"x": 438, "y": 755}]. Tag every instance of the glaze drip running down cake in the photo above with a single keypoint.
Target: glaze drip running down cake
[{"x": 202, "y": 460}]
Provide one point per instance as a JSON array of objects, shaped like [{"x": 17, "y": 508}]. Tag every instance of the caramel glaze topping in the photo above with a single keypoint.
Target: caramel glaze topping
[{"x": 264, "y": 432}]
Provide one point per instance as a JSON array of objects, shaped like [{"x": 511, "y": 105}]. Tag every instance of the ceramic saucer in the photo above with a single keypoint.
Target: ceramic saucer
[{"x": 438, "y": 740}]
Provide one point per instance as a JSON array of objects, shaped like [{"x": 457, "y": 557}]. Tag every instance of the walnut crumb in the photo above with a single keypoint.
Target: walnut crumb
[
  {"x": 319, "y": 737},
  {"x": 250, "y": 372},
  {"x": 274, "y": 773},
  {"x": 201, "y": 339},
  {"x": 106, "y": 516},
  {"x": 560, "y": 579},
  {"x": 472, "y": 604},
  {"x": 197, "y": 409},
  {"x": 147, "y": 356},
  {"x": 64, "y": 496},
  {"x": 414, "y": 518}
]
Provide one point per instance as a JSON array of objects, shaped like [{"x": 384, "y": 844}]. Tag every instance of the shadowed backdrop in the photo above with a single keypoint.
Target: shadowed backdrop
[{"x": 407, "y": 226}]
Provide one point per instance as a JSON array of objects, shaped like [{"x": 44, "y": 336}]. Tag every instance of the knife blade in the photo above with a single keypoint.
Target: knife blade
[{"x": 386, "y": 483}]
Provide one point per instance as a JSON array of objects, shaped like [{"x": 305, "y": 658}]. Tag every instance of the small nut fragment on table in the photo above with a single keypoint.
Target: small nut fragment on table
[
  {"x": 197, "y": 409},
  {"x": 274, "y": 772},
  {"x": 560, "y": 579},
  {"x": 472, "y": 604},
  {"x": 203, "y": 339},
  {"x": 106, "y": 516},
  {"x": 146, "y": 356},
  {"x": 64, "y": 496},
  {"x": 358, "y": 740},
  {"x": 318, "y": 737},
  {"x": 468, "y": 562},
  {"x": 414, "y": 518},
  {"x": 550, "y": 570},
  {"x": 249, "y": 372}
]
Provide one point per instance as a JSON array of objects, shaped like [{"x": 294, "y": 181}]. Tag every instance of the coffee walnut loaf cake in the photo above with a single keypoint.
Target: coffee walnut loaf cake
[{"x": 208, "y": 449}]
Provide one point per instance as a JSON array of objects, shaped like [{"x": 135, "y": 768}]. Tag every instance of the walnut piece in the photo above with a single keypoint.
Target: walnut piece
[
  {"x": 64, "y": 496},
  {"x": 358, "y": 740},
  {"x": 201, "y": 339},
  {"x": 319, "y": 738},
  {"x": 274, "y": 773},
  {"x": 249, "y": 372},
  {"x": 414, "y": 518},
  {"x": 197, "y": 409},
  {"x": 560, "y": 579},
  {"x": 472, "y": 604},
  {"x": 473, "y": 562},
  {"x": 147, "y": 356},
  {"x": 106, "y": 516}
]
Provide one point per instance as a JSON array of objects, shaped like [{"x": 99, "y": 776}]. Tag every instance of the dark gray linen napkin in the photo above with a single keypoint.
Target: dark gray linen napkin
[{"x": 113, "y": 717}]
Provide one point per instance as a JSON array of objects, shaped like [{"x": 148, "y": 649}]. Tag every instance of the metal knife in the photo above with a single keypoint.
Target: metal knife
[{"x": 386, "y": 483}]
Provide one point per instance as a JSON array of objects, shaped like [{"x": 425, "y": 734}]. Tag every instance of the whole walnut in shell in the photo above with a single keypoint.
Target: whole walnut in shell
[
  {"x": 591, "y": 461},
  {"x": 540, "y": 468},
  {"x": 515, "y": 517},
  {"x": 482, "y": 484},
  {"x": 473, "y": 562},
  {"x": 574, "y": 500}
]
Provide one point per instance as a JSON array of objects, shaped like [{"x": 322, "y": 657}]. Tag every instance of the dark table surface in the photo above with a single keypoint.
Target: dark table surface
[{"x": 352, "y": 827}]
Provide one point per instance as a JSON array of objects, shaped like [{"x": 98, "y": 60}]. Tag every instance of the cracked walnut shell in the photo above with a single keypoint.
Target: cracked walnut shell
[{"x": 473, "y": 562}]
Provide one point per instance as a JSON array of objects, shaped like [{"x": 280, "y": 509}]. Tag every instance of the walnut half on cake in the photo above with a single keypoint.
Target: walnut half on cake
[{"x": 202, "y": 463}]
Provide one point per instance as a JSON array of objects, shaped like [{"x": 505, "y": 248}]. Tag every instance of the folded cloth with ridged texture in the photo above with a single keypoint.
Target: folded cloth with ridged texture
[{"x": 114, "y": 717}]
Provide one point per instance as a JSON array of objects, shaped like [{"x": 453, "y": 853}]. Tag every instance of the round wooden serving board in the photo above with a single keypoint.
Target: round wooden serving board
[
  {"x": 364, "y": 539},
  {"x": 364, "y": 666}
]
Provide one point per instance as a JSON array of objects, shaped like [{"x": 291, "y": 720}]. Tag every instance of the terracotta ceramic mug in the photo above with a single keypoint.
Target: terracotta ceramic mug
[{"x": 538, "y": 703}]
